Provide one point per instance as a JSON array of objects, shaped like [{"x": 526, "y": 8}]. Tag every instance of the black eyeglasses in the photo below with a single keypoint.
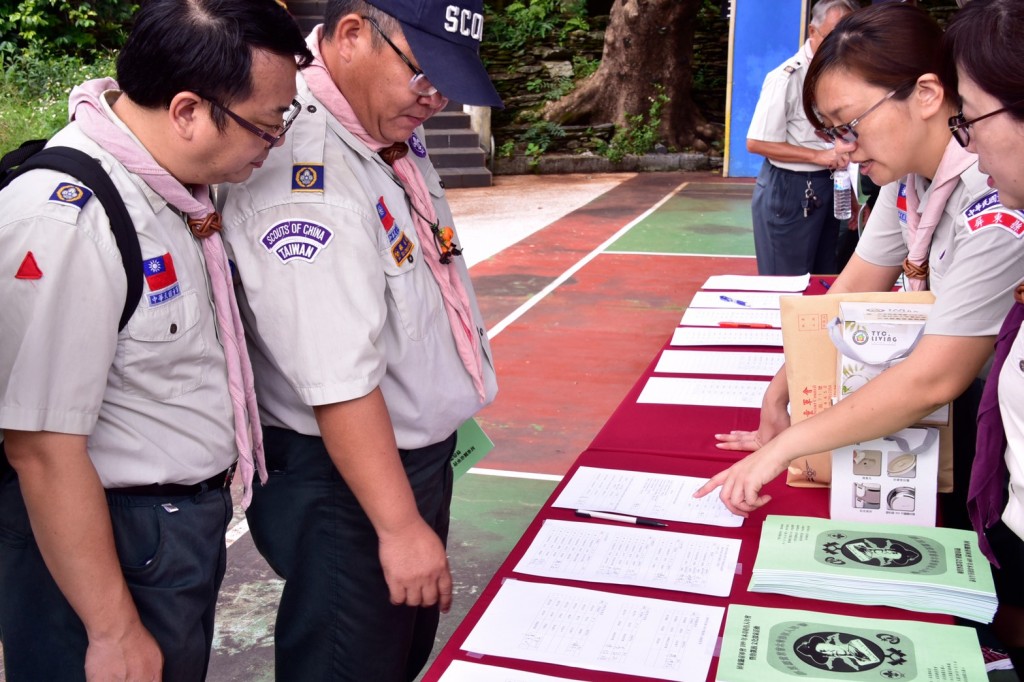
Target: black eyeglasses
[
  {"x": 961, "y": 127},
  {"x": 278, "y": 131},
  {"x": 418, "y": 84},
  {"x": 845, "y": 131}
]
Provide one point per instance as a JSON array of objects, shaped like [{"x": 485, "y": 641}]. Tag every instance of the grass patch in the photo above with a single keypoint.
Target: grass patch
[{"x": 34, "y": 93}]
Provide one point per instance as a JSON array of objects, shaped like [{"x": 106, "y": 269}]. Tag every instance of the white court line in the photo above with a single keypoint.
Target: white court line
[
  {"x": 236, "y": 532},
  {"x": 515, "y": 474},
  {"x": 662, "y": 253},
  {"x": 561, "y": 279}
]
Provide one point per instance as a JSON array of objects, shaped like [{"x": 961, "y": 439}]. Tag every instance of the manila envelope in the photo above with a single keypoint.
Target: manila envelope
[{"x": 811, "y": 372}]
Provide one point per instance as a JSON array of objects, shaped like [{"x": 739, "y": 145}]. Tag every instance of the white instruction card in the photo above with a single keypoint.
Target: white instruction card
[
  {"x": 720, "y": 336},
  {"x": 594, "y": 630},
  {"x": 706, "y": 392},
  {"x": 719, "y": 362},
  {"x": 735, "y": 300},
  {"x": 731, "y": 317},
  {"x": 465, "y": 671},
  {"x": 790, "y": 283},
  {"x": 665, "y": 497}
]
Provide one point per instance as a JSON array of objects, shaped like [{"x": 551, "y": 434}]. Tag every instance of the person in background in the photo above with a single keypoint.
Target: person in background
[
  {"x": 984, "y": 53},
  {"x": 874, "y": 88},
  {"x": 795, "y": 231},
  {"x": 114, "y": 495},
  {"x": 368, "y": 346}
]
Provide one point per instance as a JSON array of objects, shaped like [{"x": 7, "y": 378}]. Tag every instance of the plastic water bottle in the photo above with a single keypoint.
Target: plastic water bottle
[{"x": 841, "y": 190}]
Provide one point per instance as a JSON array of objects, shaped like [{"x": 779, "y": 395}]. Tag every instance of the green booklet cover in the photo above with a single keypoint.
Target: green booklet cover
[
  {"x": 939, "y": 570},
  {"x": 762, "y": 645}
]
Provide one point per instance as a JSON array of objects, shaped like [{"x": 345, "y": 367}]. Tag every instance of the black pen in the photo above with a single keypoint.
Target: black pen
[
  {"x": 635, "y": 520},
  {"x": 824, "y": 284}
]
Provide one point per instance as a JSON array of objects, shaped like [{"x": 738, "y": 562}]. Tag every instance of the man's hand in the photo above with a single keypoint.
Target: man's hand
[
  {"x": 416, "y": 567},
  {"x": 134, "y": 656}
]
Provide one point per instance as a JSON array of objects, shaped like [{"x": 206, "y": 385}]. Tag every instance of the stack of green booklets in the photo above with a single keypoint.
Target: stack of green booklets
[
  {"x": 935, "y": 570},
  {"x": 778, "y": 644}
]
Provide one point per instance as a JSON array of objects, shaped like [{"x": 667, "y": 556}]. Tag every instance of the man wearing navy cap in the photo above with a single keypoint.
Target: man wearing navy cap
[{"x": 367, "y": 343}]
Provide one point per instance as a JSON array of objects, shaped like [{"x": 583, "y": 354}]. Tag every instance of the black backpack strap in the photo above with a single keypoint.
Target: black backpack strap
[{"x": 80, "y": 165}]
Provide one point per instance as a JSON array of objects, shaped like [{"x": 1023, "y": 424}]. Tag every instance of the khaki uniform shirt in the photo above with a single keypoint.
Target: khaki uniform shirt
[
  {"x": 153, "y": 398},
  {"x": 338, "y": 298},
  {"x": 974, "y": 262},
  {"x": 779, "y": 115}
]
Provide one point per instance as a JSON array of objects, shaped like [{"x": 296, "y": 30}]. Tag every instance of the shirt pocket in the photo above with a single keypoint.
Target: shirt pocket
[
  {"x": 161, "y": 357},
  {"x": 412, "y": 290}
]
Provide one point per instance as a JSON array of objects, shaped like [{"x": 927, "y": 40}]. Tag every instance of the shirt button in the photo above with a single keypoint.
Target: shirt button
[
  {"x": 174, "y": 328},
  {"x": 1021, "y": 365}
]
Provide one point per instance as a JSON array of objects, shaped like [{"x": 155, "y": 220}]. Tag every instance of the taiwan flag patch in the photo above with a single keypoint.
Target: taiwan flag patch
[{"x": 159, "y": 272}]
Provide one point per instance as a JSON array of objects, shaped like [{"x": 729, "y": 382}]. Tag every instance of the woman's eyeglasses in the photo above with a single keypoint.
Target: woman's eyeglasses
[
  {"x": 961, "y": 127},
  {"x": 845, "y": 131}
]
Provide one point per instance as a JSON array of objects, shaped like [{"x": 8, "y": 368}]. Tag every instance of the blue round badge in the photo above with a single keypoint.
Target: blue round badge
[{"x": 417, "y": 147}]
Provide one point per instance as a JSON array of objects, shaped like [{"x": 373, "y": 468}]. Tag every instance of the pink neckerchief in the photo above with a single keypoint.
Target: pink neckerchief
[
  {"x": 453, "y": 292},
  {"x": 955, "y": 160},
  {"x": 86, "y": 108}
]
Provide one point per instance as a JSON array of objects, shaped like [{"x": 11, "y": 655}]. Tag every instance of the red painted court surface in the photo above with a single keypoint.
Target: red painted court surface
[{"x": 576, "y": 311}]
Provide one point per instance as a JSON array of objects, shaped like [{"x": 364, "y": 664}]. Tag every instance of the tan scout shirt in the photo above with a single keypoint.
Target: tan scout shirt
[
  {"x": 153, "y": 399},
  {"x": 336, "y": 303},
  {"x": 973, "y": 267}
]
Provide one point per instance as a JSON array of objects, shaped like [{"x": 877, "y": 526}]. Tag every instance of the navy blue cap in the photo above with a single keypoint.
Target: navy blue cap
[{"x": 445, "y": 39}]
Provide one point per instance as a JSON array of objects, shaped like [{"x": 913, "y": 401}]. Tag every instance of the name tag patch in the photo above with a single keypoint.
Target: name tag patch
[
  {"x": 296, "y": 240},
  {"x": 308, "y": 177},
  {"x": 68, "y": 193},
  {"x": 982, "y": 204}
]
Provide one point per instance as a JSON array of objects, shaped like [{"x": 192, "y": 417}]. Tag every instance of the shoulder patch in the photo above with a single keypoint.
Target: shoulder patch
[
  {"x": 1011, "y": 221},
  {"x": 161, "y": 279},
  {"x": 296, "y": 240},
  {"x": 308, "y": 177},
  {"x": 70, "y": 193},
  {"x": 983, "y": 204}
]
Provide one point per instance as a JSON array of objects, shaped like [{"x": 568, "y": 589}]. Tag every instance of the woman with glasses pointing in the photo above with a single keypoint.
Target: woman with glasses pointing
[{"x": 873, "y": 88}]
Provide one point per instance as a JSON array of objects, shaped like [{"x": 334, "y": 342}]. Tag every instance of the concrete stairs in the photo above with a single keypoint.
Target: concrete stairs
[{"x": 455, "y": 149}]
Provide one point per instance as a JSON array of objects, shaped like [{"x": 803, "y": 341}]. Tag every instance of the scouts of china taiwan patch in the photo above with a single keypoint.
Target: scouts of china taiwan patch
[
  {"x": 296, "y": 240},
  {"x": 68, "y": 193},
  {"x": 161, "y": 279},
  {"x": 308, "y": 177},
  {"x": 987, "y": 212},
  {"x": 401, "y": 246},
  {"x": 417, "y": 147}
]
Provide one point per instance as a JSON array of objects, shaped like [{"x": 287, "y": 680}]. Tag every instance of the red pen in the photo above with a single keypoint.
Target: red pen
[{"x": 746, "y": 325}]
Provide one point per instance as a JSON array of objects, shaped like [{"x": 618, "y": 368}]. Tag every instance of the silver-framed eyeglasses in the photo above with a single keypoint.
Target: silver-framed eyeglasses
[
  {"x": 845, "y": 131},
  {"x": 276, "y": 132},
  {"x": 418, "y": 84},
  {"x": 961, "y": 127}
]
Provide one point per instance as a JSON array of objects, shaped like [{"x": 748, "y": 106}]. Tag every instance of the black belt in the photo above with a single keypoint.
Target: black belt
[
  {"x": 824, "y": 173},
  {"x": 221, "y": 480}
]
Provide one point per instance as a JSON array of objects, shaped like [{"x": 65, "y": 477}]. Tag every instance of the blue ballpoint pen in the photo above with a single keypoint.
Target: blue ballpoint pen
[{"x": 733, "y": 300}]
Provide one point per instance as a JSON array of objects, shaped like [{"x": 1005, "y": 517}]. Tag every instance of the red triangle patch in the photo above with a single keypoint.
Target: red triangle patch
[{"x": 29, "y": 269}]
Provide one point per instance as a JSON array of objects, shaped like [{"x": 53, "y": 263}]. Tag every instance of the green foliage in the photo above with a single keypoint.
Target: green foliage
[
  {"x": 535, "y": 85},
  {"x": 535, "y": 140},
  {"x": 34, "y": 93},
  {"x": 50, "y": 27},
  {"x": 507, "y": 149},
  {"x": 583, "y": 66},
  {"x": 640, "y": 133},
  {"x": 528, "y": 22}
]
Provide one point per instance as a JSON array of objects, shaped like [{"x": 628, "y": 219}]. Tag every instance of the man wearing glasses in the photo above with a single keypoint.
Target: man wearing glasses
[
  {"x": 120, "y": 445},
  {"x": 795, "y": 231},
  {"x": 367, "y": 343}
]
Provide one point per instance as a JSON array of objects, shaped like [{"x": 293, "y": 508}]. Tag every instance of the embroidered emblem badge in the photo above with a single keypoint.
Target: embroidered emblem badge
[
  {"x": 308, "y": 177},
  {"x": 417, "y": 147},
  {"x": 161, "y": 279},
  {"x": 300, "y": 240},
  {"x": 28, "y": 269},
  {"x": 67, "y": 193}
]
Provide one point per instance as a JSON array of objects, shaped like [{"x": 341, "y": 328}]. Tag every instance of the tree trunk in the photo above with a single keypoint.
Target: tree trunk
[{"x": 647, "y": 43}]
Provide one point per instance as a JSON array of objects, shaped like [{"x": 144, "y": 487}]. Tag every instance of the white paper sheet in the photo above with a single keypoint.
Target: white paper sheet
[
  {"x": 793, "y": 284},
  {"x": 718, "y": 336},
  {"x": 464, "y": 671},
  {"x": 719, "y": 362},
  {"x": 597, "y": 630},
  {"x": 713, "y": 317},
  {"x": 629, "y": 555},
  {"x": 735, "y": 300},
  {"x": 666, "y": 497},
  {"x": 707, "y": 392}
]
